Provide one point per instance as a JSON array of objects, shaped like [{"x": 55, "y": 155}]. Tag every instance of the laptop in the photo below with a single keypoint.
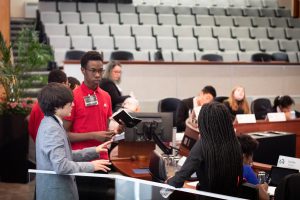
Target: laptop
[{"x": 278, "y": 173}]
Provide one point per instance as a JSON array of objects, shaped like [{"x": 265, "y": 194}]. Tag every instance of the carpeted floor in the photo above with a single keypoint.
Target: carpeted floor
[{"x": 13, "y": 191}]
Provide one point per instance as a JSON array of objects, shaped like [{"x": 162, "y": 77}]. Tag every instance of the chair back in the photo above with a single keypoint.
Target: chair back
[
  {"x": 121, "y": 55},
  {"x": 74, "y": 54},
  {"x": 288, "y": 188},
  {"x": 280, "y": 56},
  {"x": 157, "y": 167},
  {"x": 169, "y": 105},
  {"x": 261, "y": 107},
  {"x": 261, "y": 57},
  {"x": 212, "y": 57},
  {"x": 221, "y": 99}
]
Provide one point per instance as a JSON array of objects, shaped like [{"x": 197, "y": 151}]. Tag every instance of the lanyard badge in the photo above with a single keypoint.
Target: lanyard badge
[{"x": 90, "y": 100}]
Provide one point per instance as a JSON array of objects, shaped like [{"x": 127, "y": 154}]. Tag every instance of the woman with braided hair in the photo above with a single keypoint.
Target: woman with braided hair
[{"x": 216, "y": 157}]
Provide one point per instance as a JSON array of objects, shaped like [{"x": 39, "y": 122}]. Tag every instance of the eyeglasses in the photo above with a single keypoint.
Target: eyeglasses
[{"x": 94, "y": 71}]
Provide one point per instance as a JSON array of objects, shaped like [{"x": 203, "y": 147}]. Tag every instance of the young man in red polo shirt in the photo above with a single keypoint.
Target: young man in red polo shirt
[{"x": 88, "y": 124}]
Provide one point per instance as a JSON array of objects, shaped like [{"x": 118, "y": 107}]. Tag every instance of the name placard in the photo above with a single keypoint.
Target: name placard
[
  {"x": 288, "y": 162},
  {"x": 245, "y": 118},
  {"x": 276, "y": 117}
]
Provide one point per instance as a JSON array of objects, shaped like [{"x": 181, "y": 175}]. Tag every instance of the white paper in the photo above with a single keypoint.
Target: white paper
[
  {"x": 288, "y": 162},
  {"x": 271, "y": 190},
  {"x": 193, "y": 183},
  {"x": 245, "y": 118},
  {"x": 197, "y": 111},
  {"x": 276, "y": 117},
  {"x": 118, "y": 137}
]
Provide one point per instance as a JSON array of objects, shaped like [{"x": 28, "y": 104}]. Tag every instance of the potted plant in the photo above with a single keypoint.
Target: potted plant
[{"x": 14, "y": 107}]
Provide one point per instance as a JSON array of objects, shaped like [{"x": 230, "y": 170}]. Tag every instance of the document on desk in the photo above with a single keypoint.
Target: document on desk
[
  {"x": 193, "y": 183},
  {"x": 271, "y": 190},
  {"x": 118, "y": 137}
]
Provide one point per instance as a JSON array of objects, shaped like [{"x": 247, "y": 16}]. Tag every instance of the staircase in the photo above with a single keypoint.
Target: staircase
[{"x": 36, "y": 79}]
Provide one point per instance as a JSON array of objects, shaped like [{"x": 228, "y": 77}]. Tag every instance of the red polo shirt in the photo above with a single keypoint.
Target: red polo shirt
[
  {"x": 35, "y": 118},
  {"x": 92, "y": 118}
]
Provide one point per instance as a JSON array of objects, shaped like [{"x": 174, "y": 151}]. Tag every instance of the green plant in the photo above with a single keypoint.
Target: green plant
[{"x": 32, "y": 55}]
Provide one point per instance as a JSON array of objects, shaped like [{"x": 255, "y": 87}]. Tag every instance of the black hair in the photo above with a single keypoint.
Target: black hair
[
  {"x": 57, "y": 76},
  {"x": 209, "y": 90},
  {"x": 53, "y": 96},
  {"x": 283, "y": 101},
  {"x": 73, "y": 81},
  {"x": 88, "y": 56},
  {"x": 221, "y": 151},
  {"x": 248, "y": 144}
]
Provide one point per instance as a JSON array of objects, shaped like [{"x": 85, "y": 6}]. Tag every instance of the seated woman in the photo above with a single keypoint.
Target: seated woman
[
  {"x": 249, "y": 145},
  {"x": 284, "y": 104},
  {"x": 237, "y": 102},
  {"x": 110, "y": 83},
  {"x": 216, "y": 157}
]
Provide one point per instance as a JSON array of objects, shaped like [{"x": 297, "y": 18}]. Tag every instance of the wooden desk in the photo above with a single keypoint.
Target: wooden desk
[{"x": 292, "y": 126}]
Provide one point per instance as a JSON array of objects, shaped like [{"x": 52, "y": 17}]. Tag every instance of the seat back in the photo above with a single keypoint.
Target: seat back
[
  {"x": 121, "y": 55},
  {"x": 288, "y": 188},
  {"x": 169, "y": 105},
  {"x": 261, "y": 107},
  {"x": 221, "y": 99},
  {"x": 280, "y": 56},
  {"x": 157, "y": 167},
  {"x": 212, "y": 57},
  {"x": 74, "y": 54},
  {"x": 261, "y": 57}
]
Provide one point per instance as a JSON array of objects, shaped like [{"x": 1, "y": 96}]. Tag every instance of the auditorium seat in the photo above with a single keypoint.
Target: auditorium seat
[
  {"x": 261, "y": 22},
  {"x": 166, "y": 19},
  {"x": 183, "y": 56},
  {"x": 126, "y": 8},
  {"x": 50, "y": 17},
  {"x": 55, "y": 29},
  {"x": 164, "y": 10},
  {"x": 141, "y": 55},
  {"x": 232, "y": 11},
  {"x": 270, "y": 4},
  {"x": 237, "y": 3},
  {"x": 202, "y": 20},
  {"x": 186, "y": 20},
  {"x": 254, "y": 3},
  {"x": 267, "y": 12},
  {"x": 261, "y": 107},
  {"x": 208, "y": 44},
  {"x": 251, "y": 12},
  {"x": 242, "y": 21},
  {"x": 145, "y": 9},
  {"x": 293, "y": 33},
  {"x": 294, "y": 22},
  {"x": 67, "y": 6},
  {"x": 120, "y": 30},
  {"x": 293, "y": 58},
  {"x": 269, "y": 45},
  {"x": 280, "y": 56},
  {"x": 59, "y": 55},
  {"x": 212, "y": 57},
  {"x": 166, "y": 31},
  {"x": 82, "y": 43},
  {"x": 129, "y": 18},
  {"x": 144, "y": 30},
  {"x": 168, "y": 3},
  {"x": 182, "y": 10},
  {"x": 121, "y": 55},
  {"x": 125, "y": 43},
  {"x": 74, "y": 54},
  {"x": 203, "y": 3},
  {"x": 200, "y": 10},
  {"x": 229, "y": 56},
  {"x": 98, "y": 30},
  {"x": 288, "y": 45},
  {"x": 166, "y": 43},
  {"x": 249, "y": 45},
  {"x": 62, "y": 42},
  {"x": 258, "y": 33},
  {"x": 103, "y": 42},
  {"x": 203, "y": 31},
  {"x": 187, "y": 43},
  {"x": 186, "y": 31},
  {"x": 147, "y": 19},
  {"x": 107, "y": 7},
  {"x": 240, "y": 32},
  {"x": 77, "y": 29},
  {"x": 276, "y": 33},
  {"x": 221, "y": 32},
  {"x": 228, "y": 44},
  {"x": 261, "y": 57},
  {"x": 221, "y": 3},
  {"x": 167, "y": 56},
  {"x": 89, "y": 7},
  {"x": 46, "y": 6},
  {"x": 109, "y": 18},
  {"x": 245, "y": 56},
  {"x": 188, "y": 3},
  {"x": 224, "y": 21},
  {"x": 283, "y": 13},
  {"x": 145, "y": 43},
  {"x": 279, "y": 22},
  {"x": 70, "y": 17},
  {"x": 217, "y": 11},
  {"x": 90, "y": 18}
]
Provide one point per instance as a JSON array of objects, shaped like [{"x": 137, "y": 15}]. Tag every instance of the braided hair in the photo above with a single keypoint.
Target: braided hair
[{"x": 221, "y": 150}]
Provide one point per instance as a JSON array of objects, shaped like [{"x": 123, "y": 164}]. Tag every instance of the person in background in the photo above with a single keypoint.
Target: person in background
[
  {"x": 284, "y": 104},
  {"x": 36, "y": 114},
  {"x": 216, "y": 157},
  {"x": 73, "y": 82},
  {"x": 249, "y": 145},
  {"x": 110, "y": 83},
  {"x": 207, "y": 94},
  {"x": 237, "y": 102},
  {"x": 53, "y": 151}
]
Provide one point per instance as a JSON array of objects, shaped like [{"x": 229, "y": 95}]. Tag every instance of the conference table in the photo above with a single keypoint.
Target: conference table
[{"x": 125, "y": 164}]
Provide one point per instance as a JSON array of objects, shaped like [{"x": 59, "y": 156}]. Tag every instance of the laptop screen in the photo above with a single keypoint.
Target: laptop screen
[{"x": 278, "y": 173}]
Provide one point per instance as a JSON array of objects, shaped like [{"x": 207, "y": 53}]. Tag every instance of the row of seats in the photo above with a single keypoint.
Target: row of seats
[
  {"x": 182, "y": 56},
  {"x": 147, "y": 6},
  {"x": 166, "y": 19},
  {"x": 171, "y": 43},
  {"x": 171, "y": 31}
]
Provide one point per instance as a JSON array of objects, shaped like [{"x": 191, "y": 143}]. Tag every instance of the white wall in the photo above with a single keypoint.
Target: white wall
[{"x": 17, "y": 7}]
